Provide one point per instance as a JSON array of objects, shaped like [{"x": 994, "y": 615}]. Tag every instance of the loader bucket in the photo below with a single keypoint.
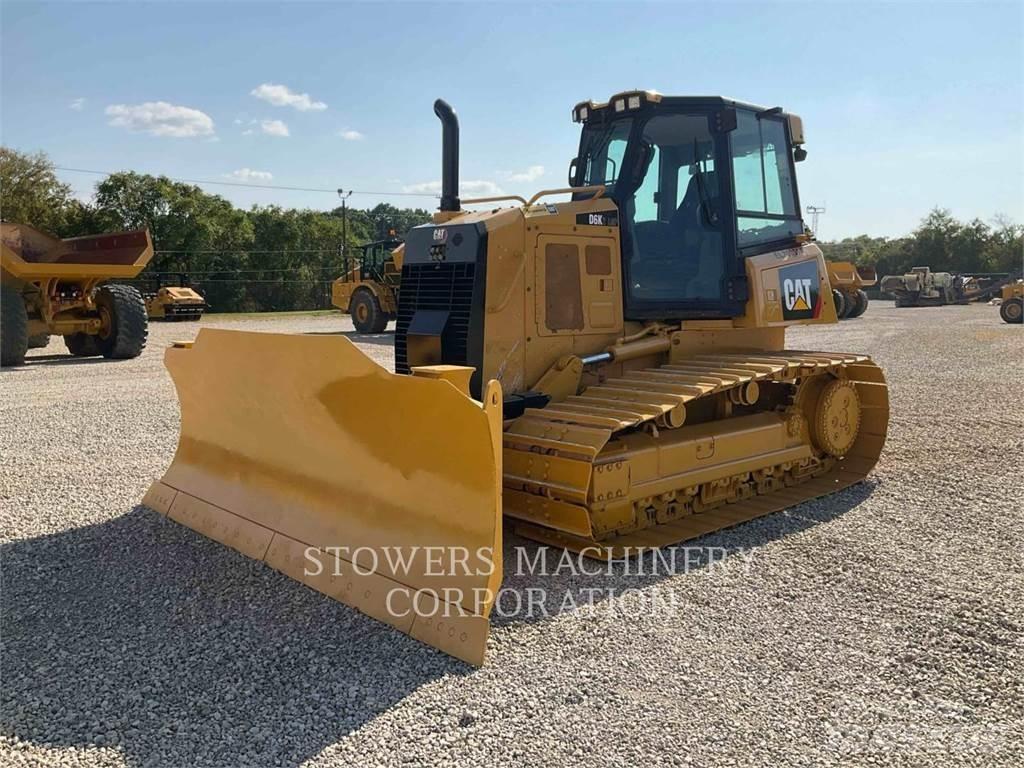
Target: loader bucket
[{"x": 380, "y": 490}]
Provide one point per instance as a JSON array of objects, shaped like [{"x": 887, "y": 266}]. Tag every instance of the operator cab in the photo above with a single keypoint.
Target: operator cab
[
  {"x": 373, "y": 259},
  {"x": 700, "y": 183}
]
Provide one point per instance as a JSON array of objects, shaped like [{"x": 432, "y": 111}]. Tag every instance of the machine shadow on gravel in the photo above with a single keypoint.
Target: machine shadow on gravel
[
  {"x": 565, "y": 591},
  {"x": 140, "y": 635},
  {"x": 65, "y": 359},
  {"x": 32, "y": 361}
]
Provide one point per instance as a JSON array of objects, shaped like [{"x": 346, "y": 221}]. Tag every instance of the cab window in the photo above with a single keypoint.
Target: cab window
[
  {"x": 603, "y": 149},
  {"x": 766, "y": 202},
  {"x": 675, "y": 228}
]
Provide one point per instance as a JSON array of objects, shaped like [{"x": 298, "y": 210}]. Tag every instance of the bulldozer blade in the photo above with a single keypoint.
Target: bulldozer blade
[{"x": 379, "y": 490}]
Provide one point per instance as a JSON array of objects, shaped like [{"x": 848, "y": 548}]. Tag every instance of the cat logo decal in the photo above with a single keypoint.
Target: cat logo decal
[{"x": 799, "y": 284}]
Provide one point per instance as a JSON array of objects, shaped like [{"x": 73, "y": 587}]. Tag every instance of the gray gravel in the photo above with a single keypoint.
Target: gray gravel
[{"x": 882, "y": 625}]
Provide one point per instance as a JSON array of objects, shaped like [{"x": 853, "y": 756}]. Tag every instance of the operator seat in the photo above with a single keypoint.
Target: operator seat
[{"x": 680, "y": 258}]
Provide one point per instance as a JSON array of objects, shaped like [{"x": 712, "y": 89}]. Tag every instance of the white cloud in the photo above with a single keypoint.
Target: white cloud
[
  {"x": 349, "y": 135},
  {"x": 282, "y": 96},
  {"x": 274, "y": 128},
  {"x": 532, "y": 173},
  {"x": 161, "y": 119},
  {"x": 249, "y": 175},
  {"x": 77, "y": 104},
  {"x": 466, "y": 188}
]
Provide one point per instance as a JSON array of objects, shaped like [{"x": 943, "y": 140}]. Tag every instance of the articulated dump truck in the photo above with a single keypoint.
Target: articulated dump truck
[
  {"x": 848, "y": 282},
  {"x": 62, "y": 287},
  {"x": 608, "y": 372}
]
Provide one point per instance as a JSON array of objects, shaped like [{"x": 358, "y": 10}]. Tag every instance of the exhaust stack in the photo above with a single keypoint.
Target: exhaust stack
[{"x": 449, "y": 156}]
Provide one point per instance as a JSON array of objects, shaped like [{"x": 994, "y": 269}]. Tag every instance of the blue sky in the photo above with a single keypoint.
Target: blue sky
[{"x": 905, "y": 106}]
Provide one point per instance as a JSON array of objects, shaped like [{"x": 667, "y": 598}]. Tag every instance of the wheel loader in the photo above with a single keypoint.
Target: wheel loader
[
  {"x": 369, "y": 286},
  {"x": 1011, "y": 307},
  {"x": 848, "y": 282},
  {"x": 609, "y": 372},
  {"x": 61, "y": 287}
]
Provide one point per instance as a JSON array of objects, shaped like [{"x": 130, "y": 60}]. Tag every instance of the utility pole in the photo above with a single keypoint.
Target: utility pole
[
  {"x": 815, "y": 211},
  {"x": 344, "y": 225}
]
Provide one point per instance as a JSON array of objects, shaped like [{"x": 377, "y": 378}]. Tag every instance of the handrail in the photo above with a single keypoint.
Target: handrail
[
  {"x": 494, "y": 199},
  {"x": 597, "y": 189}
]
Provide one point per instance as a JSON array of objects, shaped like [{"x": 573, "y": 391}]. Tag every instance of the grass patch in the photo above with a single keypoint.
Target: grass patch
[{"x": 270, "y": 315}]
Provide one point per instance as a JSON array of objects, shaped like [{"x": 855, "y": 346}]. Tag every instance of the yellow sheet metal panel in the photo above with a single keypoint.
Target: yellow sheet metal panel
[
  {"x": 299, "y": 438},
  {"x": 28, "y": 254},
  {"x": 550, "y": 512}
]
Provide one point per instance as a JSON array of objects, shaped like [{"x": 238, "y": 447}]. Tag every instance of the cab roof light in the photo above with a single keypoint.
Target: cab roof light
[
  {"x": 620, "y": 102},
  {"x": 582, "y": 111}
]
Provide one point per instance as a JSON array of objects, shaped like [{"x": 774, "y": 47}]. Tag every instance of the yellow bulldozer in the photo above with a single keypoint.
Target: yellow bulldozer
[
  {"x": 609, "y": 372},
  {"x": 848, "y": 282},
  {"x": 61, "y": 287},
  {"x": 369, "y": 285}
]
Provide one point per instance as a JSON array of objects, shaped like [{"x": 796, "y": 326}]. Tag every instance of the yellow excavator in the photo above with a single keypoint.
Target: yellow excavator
[{"x": 610, "y": 372}]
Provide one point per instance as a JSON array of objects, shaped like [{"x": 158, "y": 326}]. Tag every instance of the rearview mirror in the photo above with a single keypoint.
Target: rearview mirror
[{"x": 572, "y": 172}]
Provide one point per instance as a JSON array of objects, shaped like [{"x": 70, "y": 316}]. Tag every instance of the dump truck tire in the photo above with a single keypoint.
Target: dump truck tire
[
  {"x": 840, "y": 301},
  {"x": 1012, "y": 311},
  {"x": 125, "y": 319},
  {"x": 13, "y": 327},
  {"x": 38, "y": 341},
  {"x": 860, "y": 305},
  {"x": 81, "y": 345},
  {"x": 367, "y": 316}
]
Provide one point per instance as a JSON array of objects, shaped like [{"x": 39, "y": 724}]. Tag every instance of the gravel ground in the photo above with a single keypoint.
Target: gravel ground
[{"x": 881, "y": 625}]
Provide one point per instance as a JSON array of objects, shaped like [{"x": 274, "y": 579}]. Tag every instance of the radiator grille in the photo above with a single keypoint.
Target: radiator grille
[{"x": 443, "y": 286}]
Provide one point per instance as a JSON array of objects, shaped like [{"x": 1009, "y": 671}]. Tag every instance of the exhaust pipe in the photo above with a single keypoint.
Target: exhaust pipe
[{"x": 449, "y": 156}]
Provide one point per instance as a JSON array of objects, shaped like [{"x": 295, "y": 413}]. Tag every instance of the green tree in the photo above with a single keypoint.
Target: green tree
[{"x": 31, "y": 193}]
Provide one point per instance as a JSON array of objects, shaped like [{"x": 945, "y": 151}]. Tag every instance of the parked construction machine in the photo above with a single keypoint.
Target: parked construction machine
[
  {"x": 610, "y": 372},
  {"x": 174, "y": 298},
  {"x": 981, "y": 286},
  {"x": 923, "y": 288},
  {"x": 61, "y": 287},
  {"x": 920, "y": 287},
  {"x": 369, "y": 285},
  {"x": 848, "y": 282},
  {"x": 1011, "y": 308}
]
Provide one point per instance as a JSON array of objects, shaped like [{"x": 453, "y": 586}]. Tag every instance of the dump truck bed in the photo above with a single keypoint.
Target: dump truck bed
[
  {"x": 28, "y": 254},
  {"x": 845, "y": 274}
]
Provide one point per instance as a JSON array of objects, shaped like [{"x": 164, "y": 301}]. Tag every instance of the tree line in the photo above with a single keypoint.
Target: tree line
[
  {"x": 941, "y": 242},
  {"x": 270, "y": 258}
]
